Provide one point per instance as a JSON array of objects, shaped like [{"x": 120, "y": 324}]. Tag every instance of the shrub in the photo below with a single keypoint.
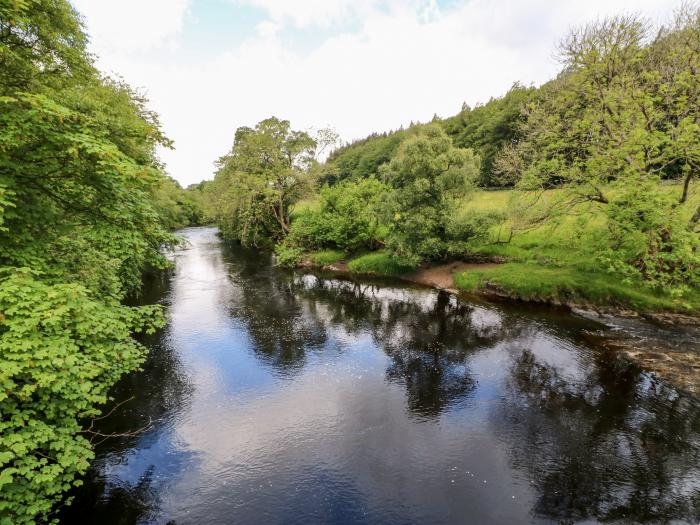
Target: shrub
[
  {"x": 346, "y": 218},
  {"x": 288, "y": 255}
]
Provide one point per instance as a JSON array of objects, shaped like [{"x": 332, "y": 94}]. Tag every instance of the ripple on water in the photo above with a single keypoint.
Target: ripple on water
[{"x": 284, "y": 397}]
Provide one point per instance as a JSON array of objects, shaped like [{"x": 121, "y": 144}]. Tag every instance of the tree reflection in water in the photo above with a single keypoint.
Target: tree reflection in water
[
  {"x": 514, "y": 393},
  {"x": 616, "y": 445},
  {"x": 428, "y": 340}
]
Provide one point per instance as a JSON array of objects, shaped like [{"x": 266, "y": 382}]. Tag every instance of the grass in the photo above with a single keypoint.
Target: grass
[
  {"x": 380, "y": 263},
  {"x": 568, "y": 284},
  {"x": 304, "y": 206},
  {"x": 325, "y": 257},
  {"x": 553, "y": 263},
  {"x": 557, "y": 262}
]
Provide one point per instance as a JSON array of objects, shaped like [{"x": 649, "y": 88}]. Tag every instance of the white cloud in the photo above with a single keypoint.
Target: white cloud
[
  {"x": 132, "y": 25},
  {"x": 402, "y": 61}
]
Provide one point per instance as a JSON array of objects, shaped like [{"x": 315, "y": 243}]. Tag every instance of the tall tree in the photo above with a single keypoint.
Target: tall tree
[
  {"x": 622, "y": 116},
  {"x": 268, "y": 168},
  {"x": 427, "y": 177},
  {"x": 77, "y": 227}
]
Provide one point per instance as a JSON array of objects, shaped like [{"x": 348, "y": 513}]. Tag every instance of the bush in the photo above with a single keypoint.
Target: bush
[
  {"x": 288, "y": 255},
  {"x": 346, "y": 218}
]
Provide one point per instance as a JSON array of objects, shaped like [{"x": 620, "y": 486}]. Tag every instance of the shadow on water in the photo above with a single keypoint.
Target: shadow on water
[
  {"x": 288, "y": 397},
  {"x": 141, "y": 407},
  {"x": 616, "y": 445}
]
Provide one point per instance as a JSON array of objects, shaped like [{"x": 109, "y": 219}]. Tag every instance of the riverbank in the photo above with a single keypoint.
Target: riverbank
[
  {"x": 640, "y": 337},
  {"x": 523, "y": 282},
  {"x": 555, "y": 263}
]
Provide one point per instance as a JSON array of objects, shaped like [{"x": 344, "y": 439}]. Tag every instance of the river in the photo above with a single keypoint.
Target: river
[{"x": 277, "y": 396}]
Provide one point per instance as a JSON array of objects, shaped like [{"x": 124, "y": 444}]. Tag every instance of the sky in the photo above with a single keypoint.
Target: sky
[{"x": 358, "y": 66}]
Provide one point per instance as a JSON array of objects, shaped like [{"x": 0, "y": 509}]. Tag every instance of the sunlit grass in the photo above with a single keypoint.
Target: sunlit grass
[
  {"x": 533, "y": 282},
  {"x": 325, "y": 257},
  {"x": 380, "y": 263}
]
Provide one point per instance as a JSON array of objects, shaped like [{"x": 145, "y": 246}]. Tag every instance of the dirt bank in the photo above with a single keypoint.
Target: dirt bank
[
  {"x": 436, "y": 276},
  {"x": 442, "y": 276}
]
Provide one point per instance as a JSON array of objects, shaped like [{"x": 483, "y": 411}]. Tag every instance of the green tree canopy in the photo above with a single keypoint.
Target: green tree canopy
[
  {"x": 268, "y": 168},
  {"x": 78, "y": 175},
  {"x": 622, "y": 116},
  {"x": 427, "y": 176}
]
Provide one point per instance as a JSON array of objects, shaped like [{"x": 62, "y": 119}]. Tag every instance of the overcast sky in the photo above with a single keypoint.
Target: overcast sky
[{"x": 210, "y": 66}]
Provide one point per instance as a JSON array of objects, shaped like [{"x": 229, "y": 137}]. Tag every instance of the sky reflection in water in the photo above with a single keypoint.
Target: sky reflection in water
[{"x": 279, "y": 397}]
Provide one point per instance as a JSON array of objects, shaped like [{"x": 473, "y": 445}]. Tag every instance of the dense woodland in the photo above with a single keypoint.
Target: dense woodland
[{"x": 585, "y": 186}]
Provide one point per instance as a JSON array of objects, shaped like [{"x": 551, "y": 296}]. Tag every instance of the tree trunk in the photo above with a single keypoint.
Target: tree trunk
[{"x": 686, "y": 185}]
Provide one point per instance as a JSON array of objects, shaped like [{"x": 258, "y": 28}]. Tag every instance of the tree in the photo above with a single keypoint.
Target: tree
[
  {"x": 78, "y": 172},
  {"x": 427, "y": 177},
  {"x": 41, "y": 44},
  {"x": 622, "y": 116},
  {"x": 488, "y": 128},
  {"x": 268, "y": 168}
]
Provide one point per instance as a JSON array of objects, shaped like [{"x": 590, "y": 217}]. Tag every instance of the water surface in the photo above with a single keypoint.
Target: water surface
[{"x": 275, "y": 396}]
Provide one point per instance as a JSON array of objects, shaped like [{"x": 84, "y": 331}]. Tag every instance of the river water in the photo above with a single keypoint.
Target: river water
[{"x": 275, "y": 396}]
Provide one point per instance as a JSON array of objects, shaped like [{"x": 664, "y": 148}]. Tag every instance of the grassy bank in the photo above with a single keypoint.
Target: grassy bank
[
  {"x": 570, "y": 285},
  {"x": 555, "y": 263},
  {"x": 379, "y": 263}
]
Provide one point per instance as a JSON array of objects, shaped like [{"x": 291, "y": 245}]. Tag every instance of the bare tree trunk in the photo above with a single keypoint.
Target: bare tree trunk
[{"x": 686, "y": 186}]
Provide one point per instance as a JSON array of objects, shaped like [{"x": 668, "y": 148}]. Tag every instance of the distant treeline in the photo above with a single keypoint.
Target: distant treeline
[{"x": 486, "y": 129}]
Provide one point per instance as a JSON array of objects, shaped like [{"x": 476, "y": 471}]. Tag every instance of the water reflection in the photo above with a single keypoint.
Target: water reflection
[
  {"x": 283, "y": 397},
  {"x": 614, "y": 445}
]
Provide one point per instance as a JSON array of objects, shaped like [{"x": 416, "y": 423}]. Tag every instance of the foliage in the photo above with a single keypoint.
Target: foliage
[
  {"x": 78, "y": 204},
  {"x": 346, "y": 218},
  {"x": 623, "y": 115},
  {"x": 288, "y": 255},
  {"x": 41, "y": 43},
  {"x": 603, "y": 161},
  {"x": 176, "y": 206},
  {"x": 363, "y": 158},
  {"x": 78, "y": 226},
  {"x": 61, "y": 350},
  {"x": 488, "y": 128},
  {"x": 381, "y": 263},
  {"x": 427, "y": 176},
  {"x": 267, "y": 170}
]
